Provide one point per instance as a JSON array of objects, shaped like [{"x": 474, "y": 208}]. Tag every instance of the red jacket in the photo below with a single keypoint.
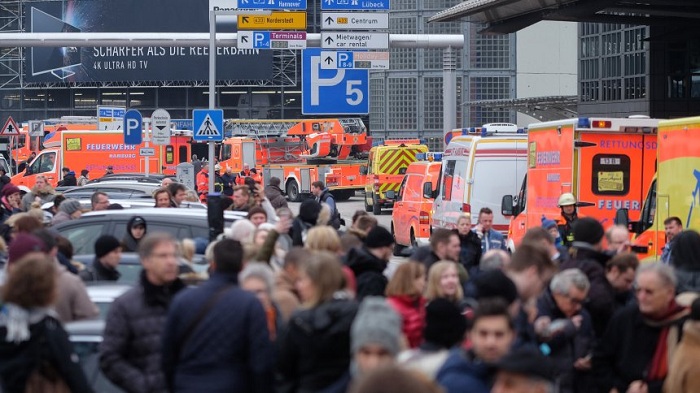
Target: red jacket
[{"x": 412, "y": 311}]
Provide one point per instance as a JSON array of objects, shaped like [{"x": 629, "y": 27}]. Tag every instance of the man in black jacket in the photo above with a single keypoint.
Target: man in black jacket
[
  {"x": 369, "y": 261},
  {"x": 274, "y": 193},
  {"x": 108, "y": 253},
  {"x": 69, "y": 179},
  {"x": 130, "y": 354}
]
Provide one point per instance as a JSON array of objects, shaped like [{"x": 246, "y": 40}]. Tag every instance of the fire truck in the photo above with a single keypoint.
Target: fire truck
[{"x": 300, "y": 152}]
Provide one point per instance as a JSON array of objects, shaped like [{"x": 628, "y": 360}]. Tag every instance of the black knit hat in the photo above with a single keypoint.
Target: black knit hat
[
  {"x": 379, "y": 237},
  {"x": 494, "y": 283},
  {"x": 529, "y": 362},
  {"x": 588, "y": 230},
  {"x": 106, "y": 244},
  {"x": 444, "y": 323}
]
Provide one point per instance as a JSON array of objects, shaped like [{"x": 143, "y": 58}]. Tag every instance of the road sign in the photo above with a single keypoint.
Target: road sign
[
  {"x": 36, "y": 128},
  {"x": 293, "y": 20},
  {"x": 208, "y": 125},
  {"x": 272, "y": 4},
  {"x": 354, "y": 21},
  {"x": 110, "y": 118},
  {"x": 354, "y": 40},
  {"x": 357, "y": 5},
  {"x": 271, "y": 39},
  {"x": 147, "y": 152},
  {"x": 182, "y": 124},
  {"x": 331, "y": 60},
  {"x": 160, "y": 127},
  {"x": 326, "y": 92},
  {"x": 133, "y": 127},
  {"x": 10, "y": 127}
]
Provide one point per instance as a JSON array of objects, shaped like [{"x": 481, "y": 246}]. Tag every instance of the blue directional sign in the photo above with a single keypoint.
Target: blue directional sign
[
  {"x": 273, "y": 4},
  {"x": 332, "y": 91},
  {"x": 208, "y": 125},
  {"x": 358, "y": 5},
  {"x": 182, "y": 124},
  {"x": 261, "y": 40},
  {"x": 133, "y": 127}
]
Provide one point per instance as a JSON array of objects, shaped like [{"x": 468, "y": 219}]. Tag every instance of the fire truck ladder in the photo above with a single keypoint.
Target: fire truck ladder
[{"x": 270, "y": 137}]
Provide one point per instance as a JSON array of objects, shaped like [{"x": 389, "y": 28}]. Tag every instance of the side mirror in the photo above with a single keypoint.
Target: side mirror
[
  {"x": 28, "y": 171},
  {"x": 391, "y": 194},
  {"x": 363, "y": 170},
  {"x": 622, "y": 217},
  {"x": 428, "y": 190},
  {"x": 507, "y": 205}
]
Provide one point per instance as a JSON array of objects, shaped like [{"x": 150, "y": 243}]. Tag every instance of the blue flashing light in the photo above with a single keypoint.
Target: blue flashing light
[
  {"x": 522, "y": 131},
  {"x": 437, "y": 157},
  {"x": 484, "y": 132},
  {"x": 584, "y": 122},
  {"x": 421, "y": 156}
]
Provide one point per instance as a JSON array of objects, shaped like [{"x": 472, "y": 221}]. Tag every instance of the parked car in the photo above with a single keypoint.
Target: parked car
[
  {"x": 123, "y": 189},
  {"x": 181, "y": 223},
  {"x": 130, "y": 268},
  {"x": 104, "y": 293},
  {"x": 86, "y": 337},
  {"x": 135, "y": 176},
  {"x": 86, "y": 205}
]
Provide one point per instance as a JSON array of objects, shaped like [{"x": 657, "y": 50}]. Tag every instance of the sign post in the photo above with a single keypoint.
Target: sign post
[{"x": 160, "y": 123}]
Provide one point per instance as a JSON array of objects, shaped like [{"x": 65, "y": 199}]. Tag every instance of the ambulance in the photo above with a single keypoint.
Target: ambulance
[
  {"x": 478, "y": 167},
  {"x": 410, "y": 219},
  {"x": 674, "y": 191},
  {"x": 386, "y": 166},
  {"x": 606, "y": 163}
]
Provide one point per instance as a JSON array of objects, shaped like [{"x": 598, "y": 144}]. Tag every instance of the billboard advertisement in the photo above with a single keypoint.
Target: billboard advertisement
[{"x": 125, "y": 64}]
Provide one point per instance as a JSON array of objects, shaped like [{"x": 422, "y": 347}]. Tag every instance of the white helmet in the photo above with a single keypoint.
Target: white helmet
[{"x": 566, "y": 199}]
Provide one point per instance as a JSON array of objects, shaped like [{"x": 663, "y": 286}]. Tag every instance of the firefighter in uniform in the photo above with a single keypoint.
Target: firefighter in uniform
[
  {"x": 569, "y": 215},
  {"x": 203, "y": 183}
]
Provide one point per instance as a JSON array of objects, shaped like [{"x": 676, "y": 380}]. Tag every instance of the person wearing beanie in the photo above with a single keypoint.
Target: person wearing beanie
[
  {"x": 23, "y": 244},
  {"x": 551, "y": 227},
  {"x": 525, "y": 370},
  {"x": 445, "y": 327},
  {"x": 684, "y": 370},
  {"x": 10, "y": 201},
  {"x": 308, "y": 215},
  {"x": 369, "y": 261},
  {"x": 135, "y": 231},
  {"x": 587, "y": 255},
  {"x": 108, "y": 253},
  {"x": 67, "y": 210},
  {"x": 492, "y": 335}
]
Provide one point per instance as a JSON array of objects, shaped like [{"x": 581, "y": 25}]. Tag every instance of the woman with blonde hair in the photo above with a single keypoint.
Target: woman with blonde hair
[
  {"x": 35, "y": 353},
  {"x": 443, "y": 282},
  {"x": 42, "y": 192},
  {"x": 323, "y": 238},
  {"x": 315, "y": 351},
  {"x": 405, "y": 294}
]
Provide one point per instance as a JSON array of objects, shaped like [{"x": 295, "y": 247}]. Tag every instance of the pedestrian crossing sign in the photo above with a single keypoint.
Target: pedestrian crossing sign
[{"x": 208, "y": 125}]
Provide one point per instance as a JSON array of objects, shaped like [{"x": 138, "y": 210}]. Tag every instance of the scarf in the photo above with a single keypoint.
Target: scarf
[
  {"x": 17, "y": 321},
  {"x": 658, "y": 367}
]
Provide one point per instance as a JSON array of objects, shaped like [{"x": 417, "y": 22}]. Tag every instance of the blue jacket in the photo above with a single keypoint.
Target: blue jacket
[
  {"x": 463, "y": 373},
  {"x": 493, "y": 240},
  {"x": 229, "y": 350}
]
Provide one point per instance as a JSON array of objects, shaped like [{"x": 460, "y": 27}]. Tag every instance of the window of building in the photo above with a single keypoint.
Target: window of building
[
  {"x": 403, "y": 102},
  {"x": 488, "y": 50},
  {"x": 377, "y": 91},
  {"x": 142, "y": 98},
  {"x": 113, "y": 97},
  {"x": 403, "y": 58},
  {"x": 432, "y": 104},
  {"x": 85, "y": 99}
]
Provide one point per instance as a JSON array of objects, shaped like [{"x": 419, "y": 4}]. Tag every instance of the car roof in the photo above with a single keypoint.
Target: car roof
[
  {"x": 160, "y": 212},
  {"x": 87, "y": 330},
  {"x": 135, "y": 203},
  {"x": 106, "y": 291}
]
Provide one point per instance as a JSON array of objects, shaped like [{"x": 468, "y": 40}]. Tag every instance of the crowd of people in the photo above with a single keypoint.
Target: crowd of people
[{"x": 293, "y": 304}]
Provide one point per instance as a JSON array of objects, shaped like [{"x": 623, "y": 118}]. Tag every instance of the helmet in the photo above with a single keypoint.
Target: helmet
[
  {"x": 566, "y": 199},
  {"x": 217, "y": 167}
]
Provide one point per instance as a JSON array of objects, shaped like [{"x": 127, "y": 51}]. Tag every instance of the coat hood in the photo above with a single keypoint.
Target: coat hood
[{"x": 360, "y": 260}]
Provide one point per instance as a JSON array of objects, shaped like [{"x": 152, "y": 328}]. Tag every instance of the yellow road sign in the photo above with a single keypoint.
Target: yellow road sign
[{"x": 274, "y": 21}]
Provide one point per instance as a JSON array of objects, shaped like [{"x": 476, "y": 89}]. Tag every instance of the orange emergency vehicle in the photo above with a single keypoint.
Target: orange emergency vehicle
[
  {"x": 605, "y": 162},
  {"x": 674, "y": 191},
  {"x": 95, "y": 150},
  {"x": 410, "y": 219}
]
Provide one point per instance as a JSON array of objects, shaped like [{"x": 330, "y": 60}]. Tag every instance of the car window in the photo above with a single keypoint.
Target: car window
[
  {"x": 83, "y": 237},
  {"x": 178, "y": 231}
]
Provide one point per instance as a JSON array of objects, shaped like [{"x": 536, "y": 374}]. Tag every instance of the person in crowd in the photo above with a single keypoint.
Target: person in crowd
[
  {"x": 130, "y": 354},
  {"x": 686, "y": 261},
  {"x": 620, "y": 271},
  {"x": 368, "y": 262},
  {"x": 323, "y": 195},
  {"x": 241, "y": 198},
  {"x": 108, "y": 253},
  {"x": 196, "y": 163},
  {"x": 287, "y": 277},
  {"x": 261, "y": 234},
  {"x": 672, "y": 226},
  {"x": 42, "y": 192},
  {"x": 243, "y": 231},
  {"x": 494, "y": 259},
  {"x": 84, "y": 177},
  {"x": 257, "y": 215},
  {"x": 469, "y": 243},
  {"x": 525, "y": 370},
  {"x": 35, "y": 352},
  {"x": 617, "y": 238},
  {"x": 258, "y": 278},
  {"x": 564, "y": 326},
  {"x": 404, "y": 294},
  {"x": 324, "y": 238},
  {"x": 162, "y": 198},
  {"x": 392, "y": 379},
  {"x": 218, "y": 180},
  {"x": 633, "y": 354},
  {"x": 255, "y": 176},
  {"x": 178, "y": 192},
  {"x": 199, "y": 352},
  {"x": 314, "y": 352},
  {"x": 10, "y": 201},
  {"x": 274, "y": 193},
  {"x": 99, "y": 201},
  {"x": 308, "y": 215},
  {"x": 445, "y": 327},
  {"x": 542, "y": 237},
  {"x": 19, "y": 223},
  {"x": 444, "y": 246},
  {"x": 491, "y": 336},
  {"x": 202, "y": 182},
  {"x": 167, "y": 181},
  {"x": 191, "y": 196},
  {"x": 684, "y": 369},
  {"x": 588, "y": 256},
  {"x": 229, "y": 181},
  {"x": 4, "y": 179},
  {"x": 69, "y": 179},
  {"x": 245, "y": 172},
  {"x": 68, "y": 210},
  {"x": 109, "y": 171},
  {"x": 136, "y": 229},
  {"x": 375, "y": 339},
  {"x": 551, "y": 227},
  {"x": 357, "y": 233},
  {"x": 565, "y": 222},
  {"x": 443, "y": 282},
  {"x": 490, "y": 238}
]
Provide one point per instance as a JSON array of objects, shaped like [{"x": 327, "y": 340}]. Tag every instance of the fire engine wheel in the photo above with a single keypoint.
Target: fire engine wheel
[
  {"x": 368, "y": 208},
  {"x": 376, "y": 207},
  {"x": 293, "y": 191},
  {"x": 414, "y": 243},
  {"x": 398, "y": 248}
]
